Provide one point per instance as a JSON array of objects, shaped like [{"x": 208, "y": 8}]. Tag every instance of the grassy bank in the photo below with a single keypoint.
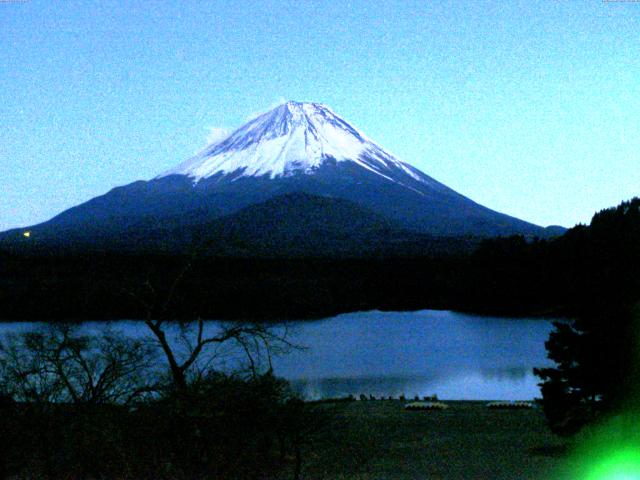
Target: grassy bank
[{"x": 382, "y": 440}]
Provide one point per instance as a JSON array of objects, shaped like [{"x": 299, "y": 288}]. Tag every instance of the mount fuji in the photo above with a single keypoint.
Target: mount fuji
[{"x": 277, "y": 165}]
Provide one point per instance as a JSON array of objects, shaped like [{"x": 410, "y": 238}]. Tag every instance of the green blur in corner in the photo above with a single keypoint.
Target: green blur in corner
[
  {"x": 611, "y": 451},
  {"x": 620, "y": 465}
]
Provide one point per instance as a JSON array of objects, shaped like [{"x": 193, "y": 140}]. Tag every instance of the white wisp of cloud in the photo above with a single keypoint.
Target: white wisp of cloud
[{"x": 216, "y": 135}]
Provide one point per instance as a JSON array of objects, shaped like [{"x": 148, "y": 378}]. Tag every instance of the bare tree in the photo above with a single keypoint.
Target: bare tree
[
  {"x": 59, "y": 364},
  {"x": 257, "y": 341},
  {"x": 197, "y": 346}
]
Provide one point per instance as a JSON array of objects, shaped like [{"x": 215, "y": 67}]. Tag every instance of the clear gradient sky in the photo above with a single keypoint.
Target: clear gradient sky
[{"x": 529, "y": 107}]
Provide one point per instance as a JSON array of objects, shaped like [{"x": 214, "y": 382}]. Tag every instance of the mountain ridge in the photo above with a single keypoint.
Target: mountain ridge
[{"x": 294, "y": 148}]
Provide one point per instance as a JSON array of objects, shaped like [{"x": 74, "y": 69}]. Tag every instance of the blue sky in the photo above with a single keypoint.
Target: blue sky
[{"x": 528, "y": 107}]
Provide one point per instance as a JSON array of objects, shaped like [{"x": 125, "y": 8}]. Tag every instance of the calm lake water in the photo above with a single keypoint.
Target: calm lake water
[{"x": 453, "y": 355}]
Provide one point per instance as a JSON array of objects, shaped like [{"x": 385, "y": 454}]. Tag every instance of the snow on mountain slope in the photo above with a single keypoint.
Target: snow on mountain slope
[{"x": 291, "y": 139}]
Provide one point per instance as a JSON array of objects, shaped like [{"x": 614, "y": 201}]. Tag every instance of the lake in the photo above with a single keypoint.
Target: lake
[{"x": 452, "y": 355}]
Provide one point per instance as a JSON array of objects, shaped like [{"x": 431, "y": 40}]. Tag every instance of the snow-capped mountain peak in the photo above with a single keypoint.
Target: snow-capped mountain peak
[
  {"x": 299, "y": 149},
  {"x": 293, "y": 138}
]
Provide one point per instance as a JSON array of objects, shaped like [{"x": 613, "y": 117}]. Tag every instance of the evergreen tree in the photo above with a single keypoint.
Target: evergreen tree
[{"x": 596, "y": 355}]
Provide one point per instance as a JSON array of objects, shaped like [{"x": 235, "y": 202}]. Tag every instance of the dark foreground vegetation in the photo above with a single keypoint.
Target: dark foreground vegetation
[
  {"x": 80, "y": 406},
  {"x": 229, "y": 428}
]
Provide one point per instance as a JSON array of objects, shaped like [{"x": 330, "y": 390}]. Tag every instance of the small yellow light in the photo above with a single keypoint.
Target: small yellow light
[{"x": 26, "y": 234}]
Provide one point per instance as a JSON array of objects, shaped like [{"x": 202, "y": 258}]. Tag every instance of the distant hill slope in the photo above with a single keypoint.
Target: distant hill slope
[
  {"x": 289, "y": 225},
  {"x": 299, "y": 224}
]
